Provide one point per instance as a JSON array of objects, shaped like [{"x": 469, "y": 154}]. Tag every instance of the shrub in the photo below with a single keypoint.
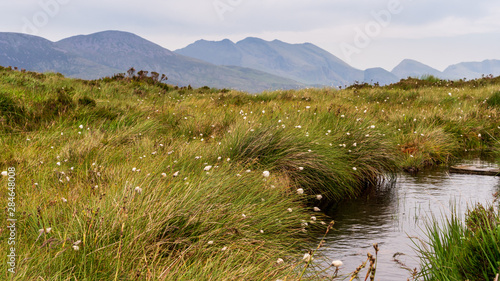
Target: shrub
[
  {"x": 494, "y": 100},
  {"x": 87, "y": 101},
  {"x": 10, "y": 110}
]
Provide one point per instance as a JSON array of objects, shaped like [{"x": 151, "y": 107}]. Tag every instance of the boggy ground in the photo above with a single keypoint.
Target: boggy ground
[{"x": 132, "y": 179}]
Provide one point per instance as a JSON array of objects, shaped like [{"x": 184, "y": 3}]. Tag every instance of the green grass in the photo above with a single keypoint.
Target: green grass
[
  {"x": 84, "y": 149},
  {"x": 463, "y": 251}
]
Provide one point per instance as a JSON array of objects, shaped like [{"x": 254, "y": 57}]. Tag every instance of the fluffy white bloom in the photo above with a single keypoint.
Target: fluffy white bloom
[
  {"x": 138, "y": 189},
  {"x": 307, "y": 257},
  {"x": 313, "y": 218},
  {"x": 64, "y": 199},
  {"x": 75, "y": 247},
  {"x": 266, "y": 174},
  {"x": 300, "y": 191},
  {"x": 4, "y": 173},
  {"x": 176, "y": 174},
  {"x": 289, "y": 210},
  {"x": 316, "y": 209},
  {"x": 45, "y": 230},
  {"x": 207, "y": 168},
  {"x": 134, "y": 169},
  {"x": 224, "y": 248},
  {"x": 280, "y": 261},
  {"x": 354, "y": 168},
  {"x": 81, "y": 126},
  {"x": 301, "y": 168},
  {"x": 210, "y": 242},
  {"x": 58, "y": 163},
  {"x": 337, "y": 263},
  {"x": 244, "y": 216}
]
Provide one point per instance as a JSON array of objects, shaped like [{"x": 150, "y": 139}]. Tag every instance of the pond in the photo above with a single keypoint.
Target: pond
[{"x": 393, "y": 212}]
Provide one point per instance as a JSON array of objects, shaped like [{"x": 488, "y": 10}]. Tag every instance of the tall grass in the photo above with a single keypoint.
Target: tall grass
[
  {"x": 142, "y": 181},
  {"x": 463, "y": 251}
]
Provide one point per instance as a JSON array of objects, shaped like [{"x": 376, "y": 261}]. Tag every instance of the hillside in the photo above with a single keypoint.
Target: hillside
[
  {"x": 38, "y": 54},
  {"x": 411, "y": 68},
  {"x": 106, "y": 53},
  {"x": 472, "y": 70},
  {"x": 252, "y": 64},
  {"x": 306, "y": 62}
]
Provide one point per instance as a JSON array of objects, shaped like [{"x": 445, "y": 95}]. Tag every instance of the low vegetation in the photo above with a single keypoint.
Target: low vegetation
[
  {"x": 128, "y": 178},
  {"x": 461, "y": 250}
]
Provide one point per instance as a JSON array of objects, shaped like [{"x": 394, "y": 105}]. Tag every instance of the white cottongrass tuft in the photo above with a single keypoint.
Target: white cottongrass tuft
[
  {"x": 289, "y": 210},
  {"x": 4, "y": 173},
  {"x": 81, "y": 126},
  {"x": 316, "y": 209},
  {"x": 280, "y": 261},
  {"x": 354, "y": 168},
  {"x": 265, "y": 174},
  {"x": 58, "y": 163},
  {"x": 224, "y": 248},
  {"x": 163, "y": 174},
  {"x": 64, "y": 200},
  {"x": 307, "y": 257},
  {"x": 45, "y": 230},
  {"x": 244, "y": 216},
  {"x": 300, "y": 191},
  {"x": 313, "y": 218},
  {"x": 176, "y": 174},
  {"x": 337, "y": 263},
  {"x": 210, "y": 242},
  {"x": 319, "y": 196},
  {"x": 134, "y": 169},
  {"x": 301, "y": 168},
  {"x": 138, "y": 189},
  {"x": 207, "y": 168},
  {"x": 76, "y": 248}
]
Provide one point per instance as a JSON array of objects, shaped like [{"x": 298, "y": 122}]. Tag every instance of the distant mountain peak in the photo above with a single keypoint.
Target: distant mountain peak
[
  {"x": 412, "y": 68},
  {"x": 304, "y": 62}
]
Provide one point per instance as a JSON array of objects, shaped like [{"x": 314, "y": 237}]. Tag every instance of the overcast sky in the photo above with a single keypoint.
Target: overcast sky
[{"x": 364, "y": 33}]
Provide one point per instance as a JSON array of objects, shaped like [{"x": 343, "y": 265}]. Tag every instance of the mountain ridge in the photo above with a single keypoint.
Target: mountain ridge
[
  {"x": 109, "y": 52},
  {"x": 251, "y": 64}
]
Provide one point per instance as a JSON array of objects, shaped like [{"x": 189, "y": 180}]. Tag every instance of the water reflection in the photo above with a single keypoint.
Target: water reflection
[{"x": 389, "y": 214}]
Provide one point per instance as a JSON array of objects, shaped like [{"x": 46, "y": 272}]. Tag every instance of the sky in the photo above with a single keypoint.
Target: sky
[{"x": 363, "y": 33}]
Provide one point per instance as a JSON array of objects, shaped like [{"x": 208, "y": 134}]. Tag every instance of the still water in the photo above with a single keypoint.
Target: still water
[{"x": 390, "y": 214}]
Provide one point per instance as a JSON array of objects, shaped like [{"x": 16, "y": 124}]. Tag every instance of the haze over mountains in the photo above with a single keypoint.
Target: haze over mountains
[{"x": 251, "y": 65}]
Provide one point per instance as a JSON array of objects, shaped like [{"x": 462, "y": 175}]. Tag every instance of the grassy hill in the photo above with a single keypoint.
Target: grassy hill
[{"x": 126, "y": 178}]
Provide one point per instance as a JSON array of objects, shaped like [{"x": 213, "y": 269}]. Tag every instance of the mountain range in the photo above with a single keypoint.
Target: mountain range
[{"x": 252, "y": 64}]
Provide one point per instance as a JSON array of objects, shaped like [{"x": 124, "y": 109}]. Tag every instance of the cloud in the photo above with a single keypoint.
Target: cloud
[{"x": 174, "y": 24}]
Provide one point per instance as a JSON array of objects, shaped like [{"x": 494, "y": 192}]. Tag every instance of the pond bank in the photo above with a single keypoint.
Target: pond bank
[{"x": 392, "y": 213}]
